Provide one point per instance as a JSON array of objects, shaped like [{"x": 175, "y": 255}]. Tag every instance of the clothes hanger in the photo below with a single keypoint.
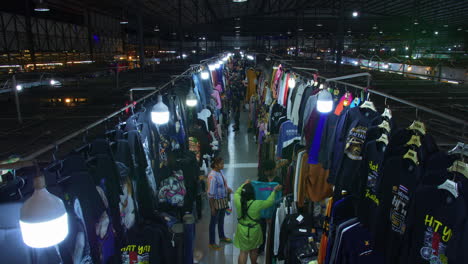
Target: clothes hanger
[
  {"x": 460, "y": 167},
  {"x": 387, "y": 112},
  {"x": 449, "y": 186},
  {"x": 412, "y": 156},
  {"x": 385, "y": 125},
  {"x": 418, "y": 125},
  {"x": 56, "y": 166},
  {"x": 460, "y": 148},
  {"x": 414, "y": 141},
  {"x": 368, "y": 104},
  {"x": 383, "y": 138}
]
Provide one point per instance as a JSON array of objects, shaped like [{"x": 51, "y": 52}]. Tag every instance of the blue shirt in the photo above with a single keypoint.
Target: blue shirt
[
  {"x": 217, "y": 188},
  {"x": 287, "y": 135}
]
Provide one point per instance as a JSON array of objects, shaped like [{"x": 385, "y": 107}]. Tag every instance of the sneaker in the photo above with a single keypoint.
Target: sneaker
[
  {"x": 214, "y": 247},
  {"x": 226, "y": 240}
]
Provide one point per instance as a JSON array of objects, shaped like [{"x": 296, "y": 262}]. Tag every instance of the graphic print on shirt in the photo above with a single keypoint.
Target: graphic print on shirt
[
  {"x": 194, "y": 146},
  {"x": 104, "y": 230},
  {"x": 399, "y": 209},
  {"x": 355, "y": 142},
  {"x": 136, "y": 254},
  {"x": 436, "y": 239},
  {"x": 163, "y": 147},
  {"x": 371, "y": 188},
  {"x": 149, "y": 170},
  {"x": 173, "y": 189},
  {"x": 81, "y": 250},
  {"x": 126, "y": 203}
]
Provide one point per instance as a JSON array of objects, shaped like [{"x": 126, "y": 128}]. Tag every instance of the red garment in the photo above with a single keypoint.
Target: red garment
[
  {"x": 339, "y": 108},
  {"x": 286, "y": 89}
]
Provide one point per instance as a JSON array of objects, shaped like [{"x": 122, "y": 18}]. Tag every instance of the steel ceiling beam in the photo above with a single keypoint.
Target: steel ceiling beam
[{"x": 210, "y": 9}]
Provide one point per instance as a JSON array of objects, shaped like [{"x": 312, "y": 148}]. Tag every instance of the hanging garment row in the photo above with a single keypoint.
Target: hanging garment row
[
  {"x": 128, "y": 195},
  {"x": 389, "y": 189},
  {"x": 132, "y": 194}
]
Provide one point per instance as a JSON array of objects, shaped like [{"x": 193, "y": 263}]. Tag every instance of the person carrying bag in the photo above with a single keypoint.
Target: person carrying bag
[{"x": 219, "y": 197}]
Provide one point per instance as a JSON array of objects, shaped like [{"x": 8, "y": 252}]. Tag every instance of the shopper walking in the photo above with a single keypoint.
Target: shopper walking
[
  {"x": 219, "y": 196},
  {"x": 236, "y": 100},
  {"x": 249, "y": 232}
]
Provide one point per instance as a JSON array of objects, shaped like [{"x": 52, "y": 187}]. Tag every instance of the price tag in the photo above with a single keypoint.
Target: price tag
[{"x": 300, "y": 218}]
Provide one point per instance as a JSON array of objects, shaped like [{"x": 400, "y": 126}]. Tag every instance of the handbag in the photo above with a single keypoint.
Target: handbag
[{"x": 221, "y": 204}]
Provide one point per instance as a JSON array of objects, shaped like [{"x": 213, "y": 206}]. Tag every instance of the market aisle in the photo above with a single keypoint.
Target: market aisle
[{"x": 240, "y": 156}]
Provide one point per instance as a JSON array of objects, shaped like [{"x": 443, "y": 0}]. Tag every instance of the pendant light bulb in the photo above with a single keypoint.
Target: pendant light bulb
[
  {"x": 160, "y": 112},
  {"x": 212, "y": 67},
  {"x": 292, "y": 82},
  {"x": 43, "y": 218},
  {"x": 205, "y": 75},
  {"x": 191, "y": 100},
  {"x": 324, "y": 102},
  {"x": 41, "y": 7}
]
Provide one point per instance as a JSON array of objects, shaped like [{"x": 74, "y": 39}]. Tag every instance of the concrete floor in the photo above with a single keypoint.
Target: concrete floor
[{"x": 241, "y": 156}]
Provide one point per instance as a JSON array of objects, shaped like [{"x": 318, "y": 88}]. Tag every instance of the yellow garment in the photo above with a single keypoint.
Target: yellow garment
[
  {"x": 251, "y": 86},
  {"x": 273, "y": 92}
]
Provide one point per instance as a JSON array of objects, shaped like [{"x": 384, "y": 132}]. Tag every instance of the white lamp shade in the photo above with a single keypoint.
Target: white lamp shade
[
  {"x": 191, "y": 99},
  {"x": 191, "y": 102},
  {"x": 292, "y": 82},
  {"x": 205, "y": 75},
  {"x": 324, "y": 102},
  {"x": 160, "y": 112},
  {"x": 43, "y": 220},
  {"x": 217, "y": 65},
  {"x": 212, "y": 67}
]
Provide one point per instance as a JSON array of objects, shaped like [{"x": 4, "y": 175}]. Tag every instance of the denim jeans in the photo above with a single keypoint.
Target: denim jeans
[{"x": 218, "y": 219}]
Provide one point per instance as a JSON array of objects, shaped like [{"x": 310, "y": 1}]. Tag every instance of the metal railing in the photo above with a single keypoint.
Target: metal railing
[
  {"x": 155, "y": 90},
  {"x": 418, "y": 107},
  {"x": 83, "y": 130}
]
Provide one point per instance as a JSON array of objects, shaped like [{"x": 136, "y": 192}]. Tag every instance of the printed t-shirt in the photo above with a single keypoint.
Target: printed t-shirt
[
  {"x": 262, "y": 192},
  {"x": 431, "y": 225}
]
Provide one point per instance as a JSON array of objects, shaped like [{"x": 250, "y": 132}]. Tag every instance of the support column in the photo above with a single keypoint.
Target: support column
[
  {"x": 340, "y": 38},
  {"x": 5, "y": 42},
  {"x": 141, "y": 44},
  {"x": 181, "y": 32},
  {"x": 197, "y": 35},
  {"x": 90, "y": 34},
  {"x": 29, "y": 33}
]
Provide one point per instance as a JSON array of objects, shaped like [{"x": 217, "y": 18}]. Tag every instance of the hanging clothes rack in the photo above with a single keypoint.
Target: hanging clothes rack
[
  {"x": 337, "y": 80},
  {"x": 31, "y": 157}
]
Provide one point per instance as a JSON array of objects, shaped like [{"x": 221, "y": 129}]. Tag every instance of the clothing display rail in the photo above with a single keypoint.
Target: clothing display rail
[
  {"x": 110, "y": 116},
  {"x": 385, "y": 95},
  {"x": 139, "y": 89},
  {"x": 102, "y": 120},
  {"x": 369, "y": 185}
]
